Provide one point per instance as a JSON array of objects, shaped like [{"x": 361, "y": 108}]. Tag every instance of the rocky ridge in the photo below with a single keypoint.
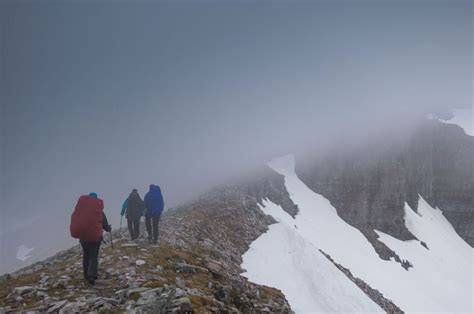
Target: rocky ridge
[{"x": 195, "y": 268}]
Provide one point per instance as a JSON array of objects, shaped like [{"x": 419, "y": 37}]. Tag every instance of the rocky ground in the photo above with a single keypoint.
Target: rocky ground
[
  {"x": 136, "y": 277},
  {"x": 195, "y": 268}
]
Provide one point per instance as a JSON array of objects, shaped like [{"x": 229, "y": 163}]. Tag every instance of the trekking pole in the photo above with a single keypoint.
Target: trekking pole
[
  {"x": 111, "y": 241},
  {"x": 120, "y": 228}
]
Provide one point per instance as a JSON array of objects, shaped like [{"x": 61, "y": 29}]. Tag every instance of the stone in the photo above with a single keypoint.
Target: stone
[
  {"x": 222, "y": 294},
  {"x": 136, "y": 290},
  {"x": 112, "y": 301},
  {"x": 73, "y": 307},
  {"x": 214, "y": 267},
  {"x": 99, "y": 303},
  {"x": 41, "y": 294},
  {"x": 145, "y": 300},
  {"x": 121, "y": 293},
  {"x": 23, "y": 290},
  {"x": 187, "y": 268},
  {"x": 106, "y": 307},
  {"x": 91, "y": 301},
  {"x": 129, "y": 304},
  {"x": 148, "y": 296},
  {"x": 183, "y": 305},
  {"x": 140, "y": 262},
  {"x": 180, "y": 283},
  {"x": 57, "y": 306}
]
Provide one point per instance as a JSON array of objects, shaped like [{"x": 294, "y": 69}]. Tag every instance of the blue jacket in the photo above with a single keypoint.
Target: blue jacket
[{"x": 154, "y": 201}]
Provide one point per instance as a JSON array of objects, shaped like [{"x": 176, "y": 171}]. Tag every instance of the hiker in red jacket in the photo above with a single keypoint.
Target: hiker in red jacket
[{"x": 87, "y": 222}]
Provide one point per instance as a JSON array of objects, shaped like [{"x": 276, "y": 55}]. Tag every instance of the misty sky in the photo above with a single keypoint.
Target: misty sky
[{"x": 100, "y": 96}]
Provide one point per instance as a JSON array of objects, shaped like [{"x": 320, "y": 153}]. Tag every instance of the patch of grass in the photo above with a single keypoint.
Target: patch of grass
[
  {"x": 268, "y": 293},
  {"x": 7, "y": 286},
  {"x": 153, "y": 284},
  {"x": 134, "y": 296},
  {"x": 199, "y": 303}
]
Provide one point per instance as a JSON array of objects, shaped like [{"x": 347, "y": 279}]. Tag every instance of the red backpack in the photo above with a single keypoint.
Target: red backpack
[{"x": 86, "y": 220}]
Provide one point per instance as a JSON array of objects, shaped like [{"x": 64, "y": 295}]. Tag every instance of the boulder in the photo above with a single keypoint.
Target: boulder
[
  {"x": 214, "y": 267},
  {"x": 23, "y": 290},
  {"x": 140, "y": 262},
  {"x": 57, "y": 306},
  {"x": 187, "y": 268}
]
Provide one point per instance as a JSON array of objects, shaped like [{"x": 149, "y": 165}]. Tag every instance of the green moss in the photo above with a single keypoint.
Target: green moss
[{"x": 134, "y": 296}]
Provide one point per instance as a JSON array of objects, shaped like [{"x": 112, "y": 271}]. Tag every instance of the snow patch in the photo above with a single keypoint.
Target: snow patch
[
  {"x": 23, "y": 253},
  {"x": 284, "y": 259},
  {"x": 463, "y": 118}
]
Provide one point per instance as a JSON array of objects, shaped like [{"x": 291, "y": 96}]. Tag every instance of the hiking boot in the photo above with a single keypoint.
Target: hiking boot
[
  {"x": 155, "y": 242},
  {"x": 91, "y": 280}
]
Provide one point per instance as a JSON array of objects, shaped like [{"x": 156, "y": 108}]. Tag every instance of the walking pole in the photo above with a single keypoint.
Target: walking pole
[
  {"x": 120, "y": 228},
  {"x": 111, "y": 241}
]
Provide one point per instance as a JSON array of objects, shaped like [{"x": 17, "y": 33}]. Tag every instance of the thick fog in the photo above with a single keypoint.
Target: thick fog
[{"x": 106, "y": 97}]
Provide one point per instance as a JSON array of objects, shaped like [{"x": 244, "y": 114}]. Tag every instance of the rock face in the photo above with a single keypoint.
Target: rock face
[
  {"x": 195, "y": 268},
  {"x": 369, "y": 185}
]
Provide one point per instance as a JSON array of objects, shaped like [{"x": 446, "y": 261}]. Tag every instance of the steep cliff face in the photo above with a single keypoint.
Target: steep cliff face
[{"x": 369, "y": 185}]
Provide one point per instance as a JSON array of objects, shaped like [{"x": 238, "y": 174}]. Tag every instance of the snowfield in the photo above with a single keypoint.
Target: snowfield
[
  {"x": 284, "y": 259},
  {"x": 287, "y": 257}
]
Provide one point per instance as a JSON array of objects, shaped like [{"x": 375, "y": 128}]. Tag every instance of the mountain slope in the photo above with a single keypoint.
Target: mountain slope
[
  {"x": 196, "y": 266},
  {"x": 438, "y": 278},
  {"x": 370, "y": 184},
  {"x": 376, "y": 228}
]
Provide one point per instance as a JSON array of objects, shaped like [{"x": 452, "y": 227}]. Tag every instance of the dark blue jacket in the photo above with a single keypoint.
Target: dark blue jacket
[{"x": 154, "y": 201}]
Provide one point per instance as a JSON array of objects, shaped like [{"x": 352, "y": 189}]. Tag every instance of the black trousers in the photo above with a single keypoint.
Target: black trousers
[
  {"x": 133, "y": 228},
  {"x": 152, "y": 223},
  {"x": 90, "y": 258}
]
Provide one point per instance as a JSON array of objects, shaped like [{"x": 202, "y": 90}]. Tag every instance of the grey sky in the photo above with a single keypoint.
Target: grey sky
[{"x": 102, "y": 96}]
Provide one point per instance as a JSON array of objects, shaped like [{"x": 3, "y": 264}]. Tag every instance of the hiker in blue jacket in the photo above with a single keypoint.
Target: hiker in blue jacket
[{"x": 153, "y": 208}]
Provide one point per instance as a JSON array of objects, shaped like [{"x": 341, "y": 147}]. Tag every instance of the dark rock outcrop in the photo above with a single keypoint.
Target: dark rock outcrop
[
  {"x": 387, "y": 305},
  {"x": 369, "y": 185}
]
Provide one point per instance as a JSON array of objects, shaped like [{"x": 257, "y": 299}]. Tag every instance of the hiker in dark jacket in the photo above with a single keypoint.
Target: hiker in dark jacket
[
  {"x": 83, "y": 218},
  {"x": 133, "y": 208},
  {"x": 153, "y": 208}
]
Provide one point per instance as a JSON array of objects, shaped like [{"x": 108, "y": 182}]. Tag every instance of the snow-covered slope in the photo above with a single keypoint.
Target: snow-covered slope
[
  {"x": 285, "y": 259},
  {"x": 464, "y": 118},
  {"x": 288, "y": 257}
]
